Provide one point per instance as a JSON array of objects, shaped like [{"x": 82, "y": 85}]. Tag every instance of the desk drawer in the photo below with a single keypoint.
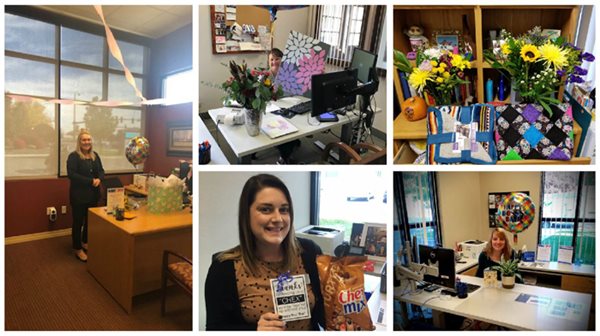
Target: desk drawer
[{"x": 578, "y": 283}]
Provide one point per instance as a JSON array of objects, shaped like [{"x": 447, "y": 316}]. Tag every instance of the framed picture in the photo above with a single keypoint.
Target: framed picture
[
  {"x": 448, "y": 39},
  {"x": 369, "y": 239},
  {"x": 179, "y": 139}
]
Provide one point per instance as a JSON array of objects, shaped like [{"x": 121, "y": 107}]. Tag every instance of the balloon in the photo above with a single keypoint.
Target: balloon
[
  {"x": 137, "y": 150},
  {"x": 273, "y": 9},
  {"x": 515, "y": 213}
]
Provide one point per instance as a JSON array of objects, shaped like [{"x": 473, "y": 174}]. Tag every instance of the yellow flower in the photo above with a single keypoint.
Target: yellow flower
[
  {"x": 439, "y": 80},
  {"x": 433, "y": 63},
  {"x": 443, "y": 65},
  {"x": 268, "y": 82},
  {"x": 446, "y": 74},
  {"x": 530, "y": 53},
  {"x": 457, "y": 61},
  {"x": 554, "y": 55},
  {"x": 505, "y": 49},
  {"x": 418, "y": 78}
]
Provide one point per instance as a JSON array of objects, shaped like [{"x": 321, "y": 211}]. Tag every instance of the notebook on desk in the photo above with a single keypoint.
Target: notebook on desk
[{"x": 275, "y": 126}]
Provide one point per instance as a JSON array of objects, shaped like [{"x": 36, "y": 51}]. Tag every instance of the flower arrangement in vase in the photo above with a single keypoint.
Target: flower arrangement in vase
[
  {"x": 252, "y": 89},
  {"x": 538, "y": 64},
  {"x": 437, "y": 72}
]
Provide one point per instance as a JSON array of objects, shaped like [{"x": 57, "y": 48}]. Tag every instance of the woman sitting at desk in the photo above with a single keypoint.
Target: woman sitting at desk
[
  {"x": 238, "y": 289},
  {"x": 497, "y": 247}
]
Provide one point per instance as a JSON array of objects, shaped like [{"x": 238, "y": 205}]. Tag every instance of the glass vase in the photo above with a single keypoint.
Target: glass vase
[{"x": 252, "y": 121}]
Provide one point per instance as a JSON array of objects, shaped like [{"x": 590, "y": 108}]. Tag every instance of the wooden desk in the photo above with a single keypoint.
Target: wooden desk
[
  {"x": 135, "y": 190},
  {"x": 125, "y": 257}
]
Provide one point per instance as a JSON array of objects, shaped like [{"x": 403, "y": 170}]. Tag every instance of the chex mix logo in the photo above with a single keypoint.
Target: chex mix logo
[{"x": 353, "y": 300}]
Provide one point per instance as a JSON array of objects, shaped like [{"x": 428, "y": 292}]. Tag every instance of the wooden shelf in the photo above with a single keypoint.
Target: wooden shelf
[{"x": 409, "y": 130}]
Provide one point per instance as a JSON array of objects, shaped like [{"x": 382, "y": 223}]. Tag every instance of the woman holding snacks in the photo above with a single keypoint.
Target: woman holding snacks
[{"x": 270, "y": 281}]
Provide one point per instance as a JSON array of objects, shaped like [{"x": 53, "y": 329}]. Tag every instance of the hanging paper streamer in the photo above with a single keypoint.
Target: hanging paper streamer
[
  {"x": 137, "y": 151},
  {"x": 515, "y": 213},
  {"x": 116, "y": 52},
  {"x": 105, "y": 103}
]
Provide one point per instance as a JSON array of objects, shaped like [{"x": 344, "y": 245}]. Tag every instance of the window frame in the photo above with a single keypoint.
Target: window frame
[
  {"x": 576, "y": 220},
  {"x": 59, "y": 21}
]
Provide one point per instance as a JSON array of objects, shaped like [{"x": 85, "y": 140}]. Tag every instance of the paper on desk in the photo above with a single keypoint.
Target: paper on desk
[
  {"x": 565, "y": 254},
  {"x": 554, "y": 307},
  {"x": 381, "y": 314},
  {"x": 543, "y": 252}
]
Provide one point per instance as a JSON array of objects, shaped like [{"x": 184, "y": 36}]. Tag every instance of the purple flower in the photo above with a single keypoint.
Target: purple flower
[
  {"x": 571, "y": 45},
  {"x": 308, "y": 66},
  {"x": 286, "y": 78},
  {"x": 575, "y": 79},
  {"x": 580, "y": 71},
  {"x": 560, "y": 73},
  {"x": 587, "y": 57}
]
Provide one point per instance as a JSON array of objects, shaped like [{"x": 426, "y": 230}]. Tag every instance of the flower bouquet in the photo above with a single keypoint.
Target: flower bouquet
[
  {"x": 438, "y": 71},
  {"x": 538, "y": 65},
  {"x": 252, "y": 89}
]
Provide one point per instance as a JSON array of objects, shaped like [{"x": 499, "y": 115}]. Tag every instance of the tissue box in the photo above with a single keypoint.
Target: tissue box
[{"x": 164, "y": 199}]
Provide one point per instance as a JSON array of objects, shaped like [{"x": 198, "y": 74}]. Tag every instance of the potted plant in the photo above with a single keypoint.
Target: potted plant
[
  {"x": 509, "y": 270},
  {"x": 252, "y": 89},
  {"x": 437, "y": 72},
  {"x": 538, "y": 64}
]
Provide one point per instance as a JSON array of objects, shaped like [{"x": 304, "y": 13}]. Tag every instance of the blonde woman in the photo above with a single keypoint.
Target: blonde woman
[
  {"x": 85, "y": 172},
  {"x": 498, "y": 248}
]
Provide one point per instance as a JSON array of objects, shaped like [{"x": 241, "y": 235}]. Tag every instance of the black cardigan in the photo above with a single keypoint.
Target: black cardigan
[
  {"x": 223, "y": 309},
  {"x": 485, "y": 262},
  {"x": 81, "y": 174}
]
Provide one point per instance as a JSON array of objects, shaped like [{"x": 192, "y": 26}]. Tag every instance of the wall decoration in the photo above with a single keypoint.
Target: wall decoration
[
  {"x": 494, "y": 200},
  {"x": 179, "y": 139},
  {"x": 448, "y": 39},
  {"x": 303, "y": 57}
]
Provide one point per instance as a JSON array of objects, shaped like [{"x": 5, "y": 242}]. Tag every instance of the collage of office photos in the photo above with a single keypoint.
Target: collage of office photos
[
  {"x": 489, "y": 84},
  {"x": 97, "y": 158},
  {"x": 292, "y": 84},
  {"x": 494, "y": 251},
  {"x": 300, "y": 250}
]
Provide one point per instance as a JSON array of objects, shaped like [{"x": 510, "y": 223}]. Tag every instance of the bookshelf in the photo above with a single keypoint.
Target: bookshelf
[{"x": 475, "y": 23}]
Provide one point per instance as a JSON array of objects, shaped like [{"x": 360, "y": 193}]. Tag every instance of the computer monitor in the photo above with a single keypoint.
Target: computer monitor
[
  {"x": 443, "y": 260},
  {"x": 363, "y": 61},
  {"x": 330, "y": 91}
]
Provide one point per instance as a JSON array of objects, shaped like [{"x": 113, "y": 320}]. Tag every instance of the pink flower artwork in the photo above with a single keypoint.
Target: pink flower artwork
[{"x": 309, "y": 65}]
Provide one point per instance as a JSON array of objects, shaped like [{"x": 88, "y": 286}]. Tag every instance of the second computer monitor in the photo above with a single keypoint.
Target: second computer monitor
[
  {"x": 443, "y": 259},
  {"x": 363, "y": 61},
  {"x": 332, "y": 91}
]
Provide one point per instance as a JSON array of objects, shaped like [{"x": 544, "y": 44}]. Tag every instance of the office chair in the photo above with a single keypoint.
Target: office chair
[
  {"x": 179, "y": 273},
  {"x": 373, "y": 154}
]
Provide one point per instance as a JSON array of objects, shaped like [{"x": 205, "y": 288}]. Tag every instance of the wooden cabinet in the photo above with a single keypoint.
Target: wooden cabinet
[{"x": 475, "y": 24}]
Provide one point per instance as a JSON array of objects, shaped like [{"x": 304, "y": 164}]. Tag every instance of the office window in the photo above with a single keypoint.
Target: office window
[
  {"x": 416, "y": 209},
  {"x": 178, "y": 87},
  {"x": 347, "y": 197},
  {"x": 34, "y": 66},
  {"x": 568, "y": 214},
  {"x": 341, "y": 27}
]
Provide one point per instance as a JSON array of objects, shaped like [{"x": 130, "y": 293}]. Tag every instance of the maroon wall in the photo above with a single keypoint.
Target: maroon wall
[{"x": 26, "y": 200}]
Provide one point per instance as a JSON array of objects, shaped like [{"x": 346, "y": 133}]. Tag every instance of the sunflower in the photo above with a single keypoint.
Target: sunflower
[
  {"x": 554, "y": 55},
  {"x": 418, "y": 78},
  {"x": 530, "y": 53},
  {"x": 505, "y": 49}
]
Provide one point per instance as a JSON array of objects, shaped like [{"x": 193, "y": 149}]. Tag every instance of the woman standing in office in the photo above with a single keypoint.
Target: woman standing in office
[
  {"x": 85, "y": 172},
  {"x": 238, "y": 289},
  {"x": 497, "y": 247}
]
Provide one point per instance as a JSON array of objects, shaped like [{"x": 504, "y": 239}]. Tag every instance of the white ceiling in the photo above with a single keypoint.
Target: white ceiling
[{"x": 149, "y": 21}]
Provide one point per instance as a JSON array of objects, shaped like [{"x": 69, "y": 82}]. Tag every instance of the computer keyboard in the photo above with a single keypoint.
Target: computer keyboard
[
  {"x": 301, "y": 108},
  {"x": 471, "y": 288}
]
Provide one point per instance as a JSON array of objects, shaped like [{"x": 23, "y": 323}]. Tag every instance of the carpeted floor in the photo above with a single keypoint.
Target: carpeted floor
[{"x": 47, "y": 288}]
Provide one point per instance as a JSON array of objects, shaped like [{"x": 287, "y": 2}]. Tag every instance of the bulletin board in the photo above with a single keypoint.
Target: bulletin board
[
  {"x": 255, "y": 23},
  {"x": 494, "y": 200}
]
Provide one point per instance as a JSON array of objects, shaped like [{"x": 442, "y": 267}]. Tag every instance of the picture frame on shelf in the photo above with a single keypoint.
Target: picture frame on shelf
[
  {"x": 179, "y": 139},
  {"x": 447, "y": 39},
  {"x": 369, "y": 239}
]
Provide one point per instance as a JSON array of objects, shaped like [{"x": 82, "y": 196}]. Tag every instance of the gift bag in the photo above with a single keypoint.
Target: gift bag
[
  {"x": 457, "y": 134},
  {"x": 164, "y": 195},
  {"x": 527, "y": 131}
]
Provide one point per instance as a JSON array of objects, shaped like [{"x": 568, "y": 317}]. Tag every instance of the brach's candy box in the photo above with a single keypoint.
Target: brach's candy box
[{"x": 343, "y": 288}]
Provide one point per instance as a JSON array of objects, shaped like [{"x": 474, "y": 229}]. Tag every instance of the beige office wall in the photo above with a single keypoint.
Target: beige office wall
[
  {"x": 210, "y": 68},
  {"x": 512, "y": 181},
  {"x": 460, "y": 206}
]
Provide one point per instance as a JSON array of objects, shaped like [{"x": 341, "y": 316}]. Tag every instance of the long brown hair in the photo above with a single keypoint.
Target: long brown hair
[
  {"x": 506, "y": 251},
  {"x": 246, "y": 251},
  {"x": 82, "y": 156}
]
